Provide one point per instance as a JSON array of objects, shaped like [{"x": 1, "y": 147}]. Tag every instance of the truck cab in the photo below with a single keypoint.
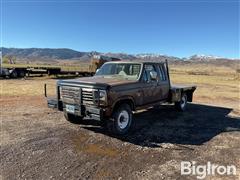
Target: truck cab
[{"x": 117, "y": 90}]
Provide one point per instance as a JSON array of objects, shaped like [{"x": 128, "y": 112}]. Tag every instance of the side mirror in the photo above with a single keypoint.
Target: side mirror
[
  {"x": 97, "y": 71},
  {"x": 153, "y": 75}
]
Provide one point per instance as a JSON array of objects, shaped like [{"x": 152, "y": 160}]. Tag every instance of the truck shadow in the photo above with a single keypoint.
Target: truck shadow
[{"x": 199, "y": 124}]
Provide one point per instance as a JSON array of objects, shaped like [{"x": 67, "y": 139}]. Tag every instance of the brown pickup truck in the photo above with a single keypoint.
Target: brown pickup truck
[{"x": 116, "y": 90}]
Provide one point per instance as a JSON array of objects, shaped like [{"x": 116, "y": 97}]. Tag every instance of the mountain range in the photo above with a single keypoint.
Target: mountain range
[{"x": 49, "y": 54}]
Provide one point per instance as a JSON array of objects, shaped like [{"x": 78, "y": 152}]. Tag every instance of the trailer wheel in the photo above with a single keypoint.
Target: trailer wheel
[
  {"x": 121, "y": 120},
  {"x": 182, "y": 105},
  {"x": 14, "y": 74},
  {"x": 73, "y": 118},
  {"x": 21, "y": 73}
]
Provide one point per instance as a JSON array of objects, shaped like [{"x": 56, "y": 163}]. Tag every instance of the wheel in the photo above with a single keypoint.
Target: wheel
[
  {"x": 182, "y": 105},
  {"x": 73, "y": 118},
  {"x": 121, "y": 120},
  {"x": 14, "y": 74},
  {"x": 21, "y": 73}
]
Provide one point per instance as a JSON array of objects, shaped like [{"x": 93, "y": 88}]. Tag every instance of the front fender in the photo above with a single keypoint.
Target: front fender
[{"x": 124, "y": 99}]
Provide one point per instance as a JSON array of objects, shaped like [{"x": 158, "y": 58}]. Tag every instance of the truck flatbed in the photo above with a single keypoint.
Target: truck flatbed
[{"x": 184, "y": 87}]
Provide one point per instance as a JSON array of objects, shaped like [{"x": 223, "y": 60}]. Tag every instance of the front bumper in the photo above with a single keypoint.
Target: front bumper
[
  {"x": 83, "y": 110},
  {"x": 90, "y": 112},
  {"x": 55, "y": 104},
  {"x": 94, "y": 113}
]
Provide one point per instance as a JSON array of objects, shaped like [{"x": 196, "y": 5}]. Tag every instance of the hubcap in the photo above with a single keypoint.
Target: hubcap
[
  {"x": 183, "y": 101},
  {"x": 123, "y": 119}
]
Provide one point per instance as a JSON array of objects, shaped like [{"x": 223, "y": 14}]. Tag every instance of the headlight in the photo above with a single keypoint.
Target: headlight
[{"x": 101, "y": 97}]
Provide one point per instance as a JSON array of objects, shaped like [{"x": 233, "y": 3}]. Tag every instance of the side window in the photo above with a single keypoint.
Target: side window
[
  {"x": 162, "y": 72},
  {"x": 135, "y": 69},
  {"x": 147, "y": 69}
]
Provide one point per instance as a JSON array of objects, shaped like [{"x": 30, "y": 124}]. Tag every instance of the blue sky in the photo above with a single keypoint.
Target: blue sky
[{"x": 178, "y": 28}]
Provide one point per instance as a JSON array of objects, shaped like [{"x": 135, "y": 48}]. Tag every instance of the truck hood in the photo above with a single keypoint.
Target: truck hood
[{"x": 102, "y": 81}]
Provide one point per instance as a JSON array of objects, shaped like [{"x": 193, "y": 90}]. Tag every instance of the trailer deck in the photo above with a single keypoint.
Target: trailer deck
[{"x": 21, "y": 70}]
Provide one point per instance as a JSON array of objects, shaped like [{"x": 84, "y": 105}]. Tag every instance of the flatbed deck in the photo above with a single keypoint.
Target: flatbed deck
[
  {"x": 184, "y": 87},
  {"x": 20, "y": 70}
]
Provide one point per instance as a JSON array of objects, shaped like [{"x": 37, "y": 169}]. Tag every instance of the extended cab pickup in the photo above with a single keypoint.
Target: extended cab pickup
[{"x": 116, "y": 90}]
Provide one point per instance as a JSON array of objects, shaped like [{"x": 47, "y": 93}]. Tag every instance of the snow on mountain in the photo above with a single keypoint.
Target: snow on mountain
[{"x": 203, "y": 57}]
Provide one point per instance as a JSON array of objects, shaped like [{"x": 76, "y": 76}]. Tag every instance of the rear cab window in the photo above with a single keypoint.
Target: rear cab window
[{"x": 162, "y": 72}]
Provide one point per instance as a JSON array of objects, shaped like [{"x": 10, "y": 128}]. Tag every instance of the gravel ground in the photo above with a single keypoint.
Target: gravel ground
[{"x": 38, "y": 143}]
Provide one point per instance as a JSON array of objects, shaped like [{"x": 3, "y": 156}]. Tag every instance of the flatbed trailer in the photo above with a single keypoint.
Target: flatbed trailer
[{"x": 21, "y": 70}]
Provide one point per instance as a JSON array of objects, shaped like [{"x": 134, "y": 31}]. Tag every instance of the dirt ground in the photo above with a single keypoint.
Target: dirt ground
[{"x": 38, "y": 143}]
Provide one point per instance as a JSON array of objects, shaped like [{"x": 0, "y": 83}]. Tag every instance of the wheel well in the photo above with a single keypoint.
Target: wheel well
[{"x": 124, "y": 101}]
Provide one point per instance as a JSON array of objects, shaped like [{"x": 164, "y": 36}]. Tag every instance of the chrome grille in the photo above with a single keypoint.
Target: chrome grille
[
  {"x": 87, "y": 96},
  {"x": 71, "y": 94}
]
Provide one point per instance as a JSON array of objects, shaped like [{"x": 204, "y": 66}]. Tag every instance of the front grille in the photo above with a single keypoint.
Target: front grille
[
  {"x": 76, "y": 95},
  {"x": 87, "y": 96},
  {"x": 71, "y": 94}
]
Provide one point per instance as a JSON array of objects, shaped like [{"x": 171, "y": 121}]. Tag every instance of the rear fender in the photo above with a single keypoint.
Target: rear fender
[{"x": 175, "y": 95}]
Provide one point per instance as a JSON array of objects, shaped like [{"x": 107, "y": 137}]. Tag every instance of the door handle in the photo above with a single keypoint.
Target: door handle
[{"x": 139, "y": 92}]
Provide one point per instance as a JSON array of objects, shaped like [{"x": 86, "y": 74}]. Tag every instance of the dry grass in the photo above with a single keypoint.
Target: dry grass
[
  {"x": 218, "y": 86},
  {"x": 28, "y": 87}
]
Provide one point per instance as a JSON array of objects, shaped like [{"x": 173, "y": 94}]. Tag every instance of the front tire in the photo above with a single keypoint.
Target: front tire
[
  {"x": 73, "y": 118},
  {"x": 182, "y": 105},
  {"x": 121, "y": 120}
]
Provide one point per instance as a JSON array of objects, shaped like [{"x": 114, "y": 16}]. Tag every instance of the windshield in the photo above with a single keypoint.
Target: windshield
[{"x": 121, "y": 70}]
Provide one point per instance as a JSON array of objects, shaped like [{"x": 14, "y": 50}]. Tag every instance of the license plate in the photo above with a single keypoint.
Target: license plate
[{"x": 70, "y": 108}]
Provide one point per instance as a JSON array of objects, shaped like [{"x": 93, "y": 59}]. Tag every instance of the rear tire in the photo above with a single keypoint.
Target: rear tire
[
  {"x": 73, "y": 118},
  {"x": 121, "y": 120},
  {"x": 182, "y": 105}
]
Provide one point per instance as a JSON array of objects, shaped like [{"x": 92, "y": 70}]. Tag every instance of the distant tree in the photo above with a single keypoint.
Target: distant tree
[{"x": 9, "y": 59}]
